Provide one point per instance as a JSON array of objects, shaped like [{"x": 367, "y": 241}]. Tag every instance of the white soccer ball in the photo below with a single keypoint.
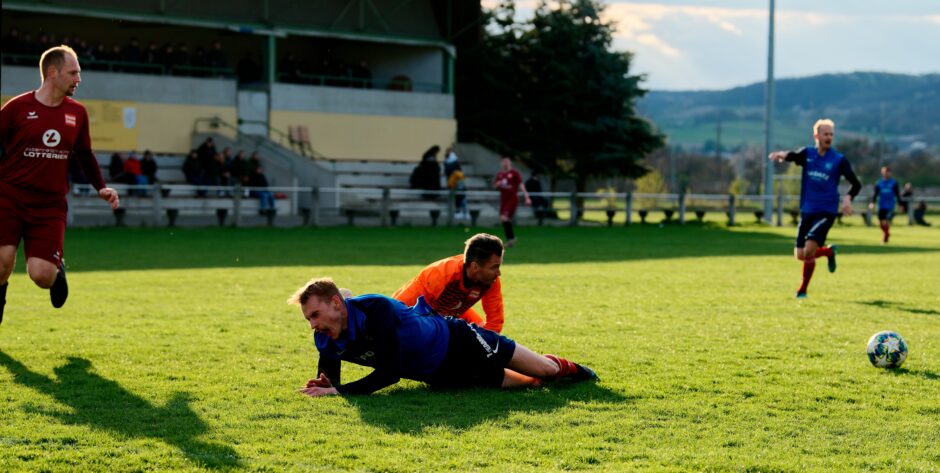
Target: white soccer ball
[{"x": 887, "y": 349}]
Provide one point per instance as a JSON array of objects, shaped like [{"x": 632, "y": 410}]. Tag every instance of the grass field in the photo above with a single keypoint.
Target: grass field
[{"x": 176, "y": 351}]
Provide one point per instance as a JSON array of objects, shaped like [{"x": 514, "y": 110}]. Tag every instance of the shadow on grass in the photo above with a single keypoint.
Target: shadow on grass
[
  {"x": 926, "y": 374},
  {"x": 413, "y": 411},
  {"x": 110, "y": 249},
  {"x": 103, "y": 404},
  {"x": 899, "y": 306}
]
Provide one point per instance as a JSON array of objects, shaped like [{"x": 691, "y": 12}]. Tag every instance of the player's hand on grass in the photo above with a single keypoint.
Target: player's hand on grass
[
  {"x": 319, "y": 387},
  {"x": 322, "y": 382},
  {"x": 110, "y": 195},
  {"x": 847, "y": 206}
]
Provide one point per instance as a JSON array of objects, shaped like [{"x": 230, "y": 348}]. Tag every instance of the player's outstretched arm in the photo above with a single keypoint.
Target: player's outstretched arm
[
  {"x": 778, "y": 156},
  {"x": 110, "y": 196}
]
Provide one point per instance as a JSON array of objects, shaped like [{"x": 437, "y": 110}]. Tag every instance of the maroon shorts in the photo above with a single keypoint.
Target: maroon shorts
[
  {"x": 507, "y": 206},
  {"x": 40, "y": 223}
]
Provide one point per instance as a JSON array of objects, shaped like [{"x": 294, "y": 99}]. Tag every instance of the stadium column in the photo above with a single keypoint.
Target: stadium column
[{"x": 271, "y": 63}]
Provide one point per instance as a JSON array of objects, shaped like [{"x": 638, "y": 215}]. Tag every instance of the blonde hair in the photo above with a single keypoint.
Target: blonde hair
[
  {"x": 323, "y": 288},
  {"x": 54, "y": 57},
  {"x": 821, "y": 122}
]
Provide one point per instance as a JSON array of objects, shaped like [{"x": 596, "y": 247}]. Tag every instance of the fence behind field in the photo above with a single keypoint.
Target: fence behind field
[{"x": 158, "y": 205}]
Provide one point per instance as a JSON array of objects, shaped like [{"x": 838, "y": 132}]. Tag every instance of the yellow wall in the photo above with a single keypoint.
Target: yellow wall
[
  {"x": 373, "y": 137},
  {"x": 162, "y": 128}
]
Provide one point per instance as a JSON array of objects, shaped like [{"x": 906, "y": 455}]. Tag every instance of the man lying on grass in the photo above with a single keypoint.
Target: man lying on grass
[{"x": 414, "y": 343}]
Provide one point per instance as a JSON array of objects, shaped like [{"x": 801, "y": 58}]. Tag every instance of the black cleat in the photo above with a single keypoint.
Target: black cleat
[
  {"x": 584, "y": 374},
  {"x": 59, "y": 291},
  {"x": 832, "y": 259}
]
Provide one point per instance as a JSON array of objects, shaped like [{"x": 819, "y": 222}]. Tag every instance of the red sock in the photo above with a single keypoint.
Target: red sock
[
  {"x": 823, "y": 251},
  {"x": 809, "y": 265},
  {"x": 565, "y": 367}
]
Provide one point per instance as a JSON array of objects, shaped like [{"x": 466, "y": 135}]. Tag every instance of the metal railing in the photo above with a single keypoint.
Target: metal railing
[{"x": 393, "y": 206}]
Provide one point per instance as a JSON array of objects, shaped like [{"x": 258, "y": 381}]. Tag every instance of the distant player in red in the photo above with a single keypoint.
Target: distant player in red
[
  {"x": 509, "y": 182},
  {"x": 40, "y": 131}
]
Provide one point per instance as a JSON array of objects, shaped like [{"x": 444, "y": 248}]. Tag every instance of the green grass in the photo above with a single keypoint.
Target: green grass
[{"x": 176, "y": 351}]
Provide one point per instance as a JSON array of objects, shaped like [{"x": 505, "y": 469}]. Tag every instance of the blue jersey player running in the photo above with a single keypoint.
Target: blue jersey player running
[
  {"x": 819, "y": 197},
  {"x": 887, "y": 194},
  {"x": 399, "y": 341}
]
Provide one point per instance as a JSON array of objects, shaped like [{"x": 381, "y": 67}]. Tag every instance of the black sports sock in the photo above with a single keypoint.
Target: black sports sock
[
  {"x": 507, "y": 227},
  {"x": 3, "y": 298}
]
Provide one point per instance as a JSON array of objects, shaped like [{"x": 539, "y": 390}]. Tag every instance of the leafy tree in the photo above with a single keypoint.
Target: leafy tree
[{"x": 556, "y": 95}]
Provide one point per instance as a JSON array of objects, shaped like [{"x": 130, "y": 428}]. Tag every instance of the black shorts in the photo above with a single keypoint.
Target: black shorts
[
  {"x": 885, "y": 214},
  {"x": 476, "y": 357},
  {"x": 814, "y": 227}
]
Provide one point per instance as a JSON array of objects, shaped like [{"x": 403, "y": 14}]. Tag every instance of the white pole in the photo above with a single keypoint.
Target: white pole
[{"x": 768, "y": 123}]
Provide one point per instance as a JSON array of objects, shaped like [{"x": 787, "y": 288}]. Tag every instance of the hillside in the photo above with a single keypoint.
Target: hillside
[{"x": 907, "y": 106}]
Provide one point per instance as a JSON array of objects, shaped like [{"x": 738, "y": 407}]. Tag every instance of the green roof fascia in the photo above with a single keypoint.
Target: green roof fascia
[{"x": 251, "y": 28}]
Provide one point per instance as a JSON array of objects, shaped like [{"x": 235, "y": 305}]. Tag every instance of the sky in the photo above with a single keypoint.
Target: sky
[{"x": 715, "y": 44}]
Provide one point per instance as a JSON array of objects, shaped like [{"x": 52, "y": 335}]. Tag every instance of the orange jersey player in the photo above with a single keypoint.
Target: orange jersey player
[{"x": 453, "y": 285}]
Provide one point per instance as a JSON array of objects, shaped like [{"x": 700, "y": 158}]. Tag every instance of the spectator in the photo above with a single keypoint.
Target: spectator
[
  {"x": 216, "y": 58},
  {"x": 199, "y": 62},
  {"x": 906, "y": 196},
  {"x": 116, "y": 168},
  {"x": 259, "y": 183},
  {"x": 148, "y": 167},
  {"x": 427, "y": 174},
  {"x": 132, "y": 53},
  {"x": 115, "y": 55},
  {"x": 206, "y": 152},
  {"x": 77, "y": 177},
  {"x": 181, "y": 60},
  {"x": 152, "y": 54},
  {"x": 919, "y": 212},
  {"x": 534, "y": 186},
  {"x": 290, "y": 69},
  {"x": 238, "y": 168},
  {"x": 450, "y": 162},
  {"x": 212, "y": 170},
  {"x": 456, "y": 183},
  {"x": 168, "y": 58},
  {"x": 192, "y": 169},
  {"x": 134, "y": 174},
  {"x": 254, "y": 163},
  {"x": 362, "y": 75}
]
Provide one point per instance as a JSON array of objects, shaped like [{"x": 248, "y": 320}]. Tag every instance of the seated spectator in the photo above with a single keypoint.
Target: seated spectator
[
  {"x": 192, "y": 169},
  {"x": 258, "y": 184},
  {"x": 216, "y": 58},
  {"x": 181, "y": 60},
  {"x": 362, "y": 75},
  {"x": 134, "y": 175},
  {"x": 254, "y": 163},
  {"x": 238, "y": 168},
  {"x": 427, "y": 174},
  {"x": 148, "y": 167},
  {"x": 116, "y": 168}
]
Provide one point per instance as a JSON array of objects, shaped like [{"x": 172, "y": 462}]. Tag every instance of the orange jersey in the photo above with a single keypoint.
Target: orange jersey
[{"x": 442, "y": 285}]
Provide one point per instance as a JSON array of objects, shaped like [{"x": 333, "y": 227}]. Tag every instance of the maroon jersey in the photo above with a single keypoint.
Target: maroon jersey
[
  {"x": 37, "y": 143},
  {"x": 508, "y": 183}
]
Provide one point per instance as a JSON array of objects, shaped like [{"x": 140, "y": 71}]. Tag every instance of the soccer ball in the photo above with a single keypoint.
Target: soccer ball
[{"x": 887, "y": 349}]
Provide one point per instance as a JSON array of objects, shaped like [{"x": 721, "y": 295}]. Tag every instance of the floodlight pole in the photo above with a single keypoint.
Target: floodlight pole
[{"x": 768, "y": 123}]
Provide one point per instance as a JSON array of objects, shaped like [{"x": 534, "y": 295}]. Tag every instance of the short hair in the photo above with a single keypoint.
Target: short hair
[
  {"x": 54, "y": 57},
  {"x": 323, "y": 288},
  {"x": 885, "y": 168},
  {"x": 821, "y": 122},
  {"x": 481, "y": 247}
]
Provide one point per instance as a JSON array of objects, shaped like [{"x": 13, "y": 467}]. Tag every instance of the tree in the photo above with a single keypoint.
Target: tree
[{"x": 554, "y": 94}]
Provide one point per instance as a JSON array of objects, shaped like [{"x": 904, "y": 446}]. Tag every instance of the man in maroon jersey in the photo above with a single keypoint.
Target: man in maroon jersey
[
  {"x": 40, "y": 131},
  {"x": 509, "y": 181}
]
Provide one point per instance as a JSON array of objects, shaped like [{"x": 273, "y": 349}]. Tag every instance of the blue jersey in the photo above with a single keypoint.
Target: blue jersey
[
  {"x": 397, "y": 340},
  {"x": 887, "y": 193},
  {"x": 820, "y": 190}
]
